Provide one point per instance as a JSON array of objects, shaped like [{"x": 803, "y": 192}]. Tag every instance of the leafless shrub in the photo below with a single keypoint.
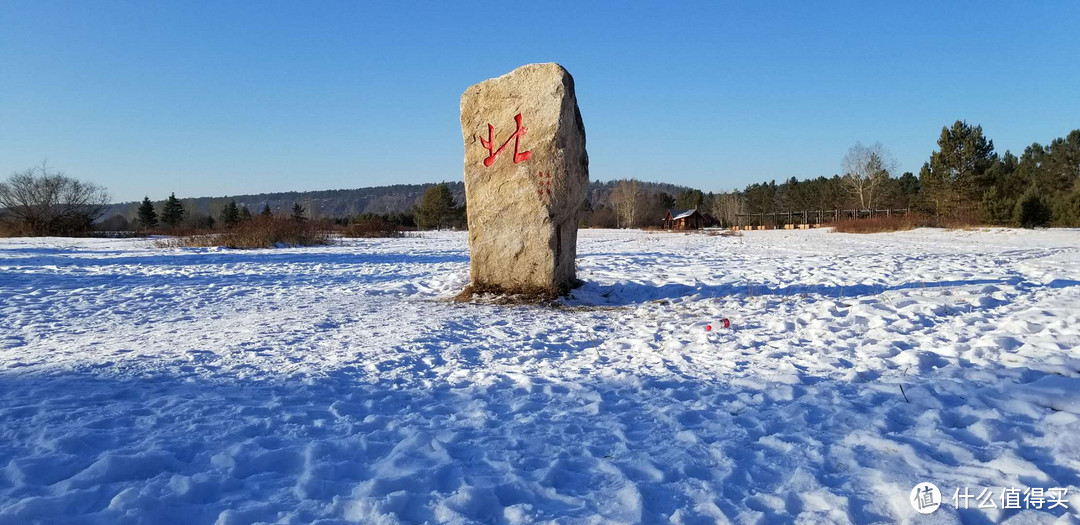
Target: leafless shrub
[
  {"x": 261, "y": 232},
  {"x": 371, "y": 228},
  {"x": 878, "y": 224}
]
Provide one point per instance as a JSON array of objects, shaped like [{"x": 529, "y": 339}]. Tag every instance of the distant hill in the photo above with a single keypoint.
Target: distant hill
[
  {"x": 343, "y": 203},
  {"x": 322, "y": 203}
]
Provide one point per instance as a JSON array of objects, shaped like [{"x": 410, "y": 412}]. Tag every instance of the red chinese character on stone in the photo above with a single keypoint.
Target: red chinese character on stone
[{"x": 518, "y": 157}]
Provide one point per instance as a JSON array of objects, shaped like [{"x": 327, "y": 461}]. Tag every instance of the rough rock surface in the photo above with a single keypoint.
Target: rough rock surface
[{"x": 526, "y": 174}]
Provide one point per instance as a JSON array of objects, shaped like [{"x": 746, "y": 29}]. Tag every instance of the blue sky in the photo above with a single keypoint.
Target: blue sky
[{"x": 222, "y": 98}]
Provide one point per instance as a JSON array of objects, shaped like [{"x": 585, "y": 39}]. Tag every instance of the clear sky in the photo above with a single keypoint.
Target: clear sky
[{"x": 222, "y": 98}]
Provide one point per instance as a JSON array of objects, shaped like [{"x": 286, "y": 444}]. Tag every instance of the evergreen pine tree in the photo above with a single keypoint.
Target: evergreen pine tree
[
  {"x": 298, "y": 212},
  {"x": 172, "y": 212},
  {"x": 1033, "y": 210},
  {"x": 436, "y": 208},
  {"x": 147, "y": 216},
  {"x": 996, "y": 208},
  {"x": 245, "y": 214},
  {"x": 955, "y": 178},
  {"x": 266, "y": 211},
  {"x": 1054, "y": 168},
  {"x": 230, "y": 215},
  {"x": 908, "y": 188},
  {"x": 689, "y": 199},
  {"x": 1067, "y": 209}
]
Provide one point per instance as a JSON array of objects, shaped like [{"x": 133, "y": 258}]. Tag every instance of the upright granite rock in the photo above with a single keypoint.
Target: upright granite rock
[{"x": 526, "y": 174}]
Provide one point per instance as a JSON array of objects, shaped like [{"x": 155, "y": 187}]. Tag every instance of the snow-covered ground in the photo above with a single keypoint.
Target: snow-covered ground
[{"x": 338, "y": 384}]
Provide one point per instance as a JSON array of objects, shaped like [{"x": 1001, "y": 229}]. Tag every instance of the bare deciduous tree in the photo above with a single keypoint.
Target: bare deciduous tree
[
  {"x": 626, "y": 199},
  {"x": 43, "y": 201},
  {"x": 866, "y": 169},
  {"x": 726, "y": 207}
]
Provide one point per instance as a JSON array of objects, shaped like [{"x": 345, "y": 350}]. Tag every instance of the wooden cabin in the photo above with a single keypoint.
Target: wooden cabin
[{"x": 684, "y": 220}]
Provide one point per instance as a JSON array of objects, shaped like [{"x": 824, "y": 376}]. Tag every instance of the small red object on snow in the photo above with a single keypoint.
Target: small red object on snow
[{"x": 723, "y": 323}]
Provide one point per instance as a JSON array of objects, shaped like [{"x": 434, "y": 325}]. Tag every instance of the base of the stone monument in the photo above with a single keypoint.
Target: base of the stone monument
[{"x": 501, "y": 295}]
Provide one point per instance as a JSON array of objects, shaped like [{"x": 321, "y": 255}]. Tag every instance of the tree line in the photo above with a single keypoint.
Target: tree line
[
  {"x": 963, "y": 181},
  {"x": 436, "y": 209},
  {"x": 398, "y": 198},
  {"x": 174, "y": 215}
]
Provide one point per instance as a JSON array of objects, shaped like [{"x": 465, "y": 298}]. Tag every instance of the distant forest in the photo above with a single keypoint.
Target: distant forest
[
  {"x": 964, "y": 181},
  {"x": 398, "y": 203},
  {"x": 398, "y": 198}
]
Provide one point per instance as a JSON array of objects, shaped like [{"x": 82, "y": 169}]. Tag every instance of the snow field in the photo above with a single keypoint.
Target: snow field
[{"x": 338, "y": 385}]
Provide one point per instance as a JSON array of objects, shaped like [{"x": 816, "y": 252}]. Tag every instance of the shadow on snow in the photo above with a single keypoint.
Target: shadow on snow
[
  {"x": 338, "y": 445},
  {"x": 625, "y": 293}
]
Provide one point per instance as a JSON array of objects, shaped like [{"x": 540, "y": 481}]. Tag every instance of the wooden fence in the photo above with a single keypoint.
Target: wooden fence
[{"x": 808, "y": 218}]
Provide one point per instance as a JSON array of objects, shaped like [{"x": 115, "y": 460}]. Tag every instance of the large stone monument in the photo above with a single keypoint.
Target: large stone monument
[{"x": 526, "y": 174}]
